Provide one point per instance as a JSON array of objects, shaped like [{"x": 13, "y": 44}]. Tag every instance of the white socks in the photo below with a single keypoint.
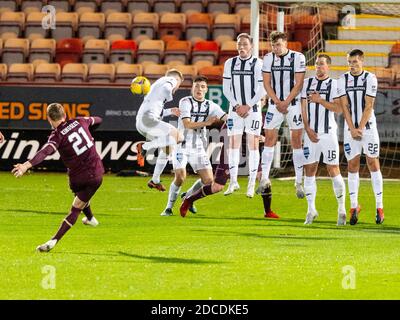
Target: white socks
[
  {"x": 298, "y": 164},
  {"x": 310, "y": 189},
  {"x": 377, "y": 186},
  {"x": 196, "y": 186},
  {"x": 254, "y": 161},
  {"x": 354, "y": 183},
  {"x": 172, "y": 195},
  {"x": 266, "y": 161},
  {"x": 162, "y": 161},
  {"x": 339, "y": 188},
  {"x": 233, "y": 164}
]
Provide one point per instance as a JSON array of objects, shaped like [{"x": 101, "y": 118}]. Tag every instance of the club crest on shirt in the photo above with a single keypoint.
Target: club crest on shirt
[{"x": 291, "y": 59}]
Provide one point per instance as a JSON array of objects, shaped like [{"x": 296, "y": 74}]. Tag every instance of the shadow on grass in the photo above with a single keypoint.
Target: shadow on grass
[
  {"x": 157, "y": 259},
  {"x": 255, "y": 235},
  {"x": 46, "y": 212}
]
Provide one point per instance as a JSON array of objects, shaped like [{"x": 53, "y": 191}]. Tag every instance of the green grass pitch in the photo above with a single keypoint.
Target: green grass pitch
[{"x": 226, "y": 251}]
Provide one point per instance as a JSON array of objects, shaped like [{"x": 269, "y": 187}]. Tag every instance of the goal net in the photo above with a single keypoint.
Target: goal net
[{"x": 336, "y": 28}]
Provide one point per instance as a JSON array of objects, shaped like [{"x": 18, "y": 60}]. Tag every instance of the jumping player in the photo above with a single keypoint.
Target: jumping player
[
  {"x": 159, "y": 134},
  {"x": 72, "y": 139}
]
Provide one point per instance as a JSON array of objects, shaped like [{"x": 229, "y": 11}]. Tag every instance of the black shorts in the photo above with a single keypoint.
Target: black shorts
[
  {"x": 85, "y": 190},
  {"x": 221, "y": 174}
]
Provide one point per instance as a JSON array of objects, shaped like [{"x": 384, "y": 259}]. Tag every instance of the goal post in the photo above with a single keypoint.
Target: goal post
[{"x": 335, "y": 27}]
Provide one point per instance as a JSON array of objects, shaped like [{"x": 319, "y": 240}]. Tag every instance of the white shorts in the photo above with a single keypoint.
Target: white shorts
[
  {"x": 152, "y": 128},
  {"x": 274, "y": 118},
  {"x": 369, "y": 144},
  {"x": 251, "y": 124},
  {"x": 328, "y": 145},
  {"x": 196, "y": 157}
]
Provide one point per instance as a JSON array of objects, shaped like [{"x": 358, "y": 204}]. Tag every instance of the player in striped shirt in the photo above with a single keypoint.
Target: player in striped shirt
[
  {"x": 357, "y": 90},
  {"x": 283, "y": 72},
  {"x": 242, "y": 86},
  {"x": 319, "y": 102}
]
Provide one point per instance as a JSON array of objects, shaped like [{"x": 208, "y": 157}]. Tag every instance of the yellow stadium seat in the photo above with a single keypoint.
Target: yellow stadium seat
[
  {"x": 154, "y": 71},
  {"x": 20, "y": 72},
  {"x": 47, "y": 72},
  {"x": 101, "y": 73},
  {"x": 11, "y": 24},
  {"x": 96, "y": 51},
  {"x": 126, "y": 72},
  {"x": 74, "y": 73},
  {"x": 150, "y": 50},
  {"x": 91, "y": 26},
  {"x": 15, "y": 51},
  {"x": 118, "y": 26},
  {"x": 42, "y": 49}
]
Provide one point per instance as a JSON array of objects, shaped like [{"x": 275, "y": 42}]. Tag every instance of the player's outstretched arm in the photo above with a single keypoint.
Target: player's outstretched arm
[
  {"x": 188, "y": 124},
  {"x": 20, "y": 168}
]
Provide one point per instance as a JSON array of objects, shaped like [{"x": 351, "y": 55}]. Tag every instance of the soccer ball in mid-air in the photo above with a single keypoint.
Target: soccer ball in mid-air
[{"x": 140, "y": 85}]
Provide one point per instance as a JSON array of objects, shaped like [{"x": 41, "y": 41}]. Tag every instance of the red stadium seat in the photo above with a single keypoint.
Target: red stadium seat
[
  {"x": 69, "y": 51},
  {"x": 205, "y": 50},
  {"x": 123, "y": 51}
]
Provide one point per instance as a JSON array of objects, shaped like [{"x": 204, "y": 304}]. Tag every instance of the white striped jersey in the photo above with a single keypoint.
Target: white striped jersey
[
  {"x": 356, "y": 88},
  {"x": 283, "y": 70},
  {"x": 197, "y": 111},
  {"x": 160, "y": 93},
  {"x": 245, "y": 80},
  {"x": 320, "y": 119}
]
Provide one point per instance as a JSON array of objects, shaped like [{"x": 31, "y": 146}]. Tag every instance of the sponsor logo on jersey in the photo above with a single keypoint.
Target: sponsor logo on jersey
[
  {"x": 229, "y": 124},
  {"x": 179, "y": 156}
]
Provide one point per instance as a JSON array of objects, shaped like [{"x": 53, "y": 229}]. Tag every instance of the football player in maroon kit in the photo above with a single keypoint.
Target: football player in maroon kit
[{"x": 73, "y": 140}]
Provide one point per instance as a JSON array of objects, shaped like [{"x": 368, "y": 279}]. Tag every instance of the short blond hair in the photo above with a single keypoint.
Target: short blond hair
[
  {"x": 172, "y": 72},
  {"x": 246, "y": 36},
  {"x": 55, "y": 111}
]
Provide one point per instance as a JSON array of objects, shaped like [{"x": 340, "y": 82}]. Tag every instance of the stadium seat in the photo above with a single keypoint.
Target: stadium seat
[
  {"x": 8, "y": 5},
  {"x": 91, "y": 26},
  {"x": 169, "y": 37},
  {"x": 31, "y": 6},
  {"x": 295, "y": 46},
  {"x": 11, "y": 24},
  {"x": 154, "y": 71},
  {"x": 126, "y": 72},
  {"x": 123, "y": 51},
  {"x": 74, "y": 73},
  {"x": 205, "y": 50},
  {"x": 61, "y": 5},
  {"x": 20, "y": 72},
  {"x": 101, "y": 73},
  {"x": 198, "y": 27},
  {"x": 202, "y": 63},
  {"x": 245, "y": 23},
  {"x": 386, "y": 76},
  {"x": 135, "y": 6},
  {"x": 242, "y": 11},
  {"x": 109, "y": 6},
  {"x": 218, "y": 6},
  {"x": 188, "y": 72},
  {"x": 47, "y": 72},
  {"x": 66, "y": 25},
  {"x": 226, "y": 24},
  {"x": 213, "y": 73},
  {"x": 15, "y": 51},
  {"x": 150, "y": 50},
  {"x": 178, "y": 50},
  {"x": 33, "y": 26},
  {"x": 329, "y": 14},
  {"x": 1, "y": 46},
  {"x": 42, "y": 49},
  {"x": 118, "y": 26},
  {"x": 228, "y": 50},
  {"x": 85, "y": 6},
  {"x": 162, "y": 6},
  {"x": 264, "y": 47},
  {"x": 394, "y": 56},
  {"x": 69, "y": 51},
  {"x": 145, "y": 23},
  {"x": 96, "y": 51},
  {"x": 192, "y": 6},
  {"x": 172, "y": 24},
  {"x": 3, "y": 71},
  {"x": 240, "y": 5},
  {"x": 173, "y": 63},
  {"x": 303, "y": 26}
]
